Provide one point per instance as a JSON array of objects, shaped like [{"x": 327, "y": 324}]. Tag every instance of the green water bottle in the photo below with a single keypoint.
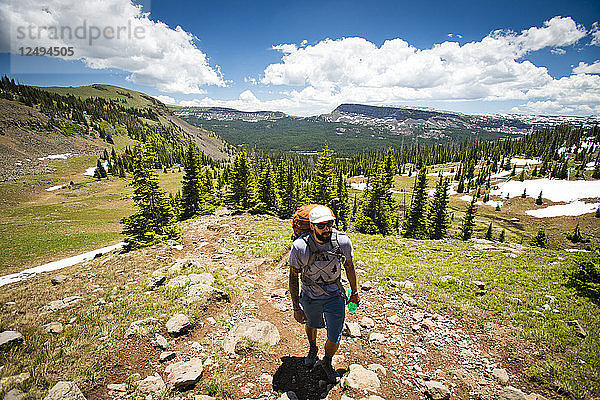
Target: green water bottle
[{"x": 351, "y": 306}]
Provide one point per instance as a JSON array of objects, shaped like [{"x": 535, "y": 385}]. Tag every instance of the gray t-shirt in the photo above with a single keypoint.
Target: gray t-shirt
[{"x": 323, "y": 269}]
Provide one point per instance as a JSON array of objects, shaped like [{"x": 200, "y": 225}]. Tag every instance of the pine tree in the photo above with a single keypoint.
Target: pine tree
[
  {"x": 191, "y": 196},
  {"x": 266, "y": 194},
  {"x": 415, "y": 224},
  {"x": 375, "y": 213},
  {"x": 522, "y": 175},
  {"x": 322, "y": 188},
  {"x": 488, "y": 233},
  {"x": 341, "y": 189},
  {"x": 540, "y": 239},
  {"x": 502, "y": 237},
  {"x": 596, "y": 173},
  {"x": 240, "y": 191},
  {"x": 438, "y": 221},
  {"x": 466, "y": 231},
  {"x": 155, "y": 219},
  {"x": 100, "y": 172},
  {"x": 288, "y": 189},
  {"x": 538, "y": 201}
]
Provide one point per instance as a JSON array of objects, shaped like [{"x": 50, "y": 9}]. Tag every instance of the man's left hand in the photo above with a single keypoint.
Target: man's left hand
[{"x": 354, "y": 299}]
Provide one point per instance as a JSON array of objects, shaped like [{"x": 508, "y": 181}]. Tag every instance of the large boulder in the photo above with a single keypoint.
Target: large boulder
[
  {"x": 202, "y": 291},
  {"x": 9, "y": 339},
  {"x": 259, "y": 331},
  {"x": 65, "y": 390},
  {"x": 206, "y": 278},
  {"x": 361, "y": 378},
  {"x": 184, "y": 374},
  {"x": 177, "y": 324},
  {"x": 152, "y": 384},
  {"x": 437, "y": 390},
  {"x": 60, "y": 304},
  {"x": 511, "y": 393}
]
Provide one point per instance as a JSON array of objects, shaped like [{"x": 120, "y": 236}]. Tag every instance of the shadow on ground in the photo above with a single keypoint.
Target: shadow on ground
[{"x": 308, "y": 384}]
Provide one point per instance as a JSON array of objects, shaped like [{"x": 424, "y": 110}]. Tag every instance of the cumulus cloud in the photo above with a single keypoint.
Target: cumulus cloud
[
  {"x": 356, "y": 70},
  {"x": 111, "y": 34},
  {"x": 166, "y": 99},
  {"x": 584, "y": 68},
  {"x": 595, "y": 34},
  {"x": 558, "y": 51}
]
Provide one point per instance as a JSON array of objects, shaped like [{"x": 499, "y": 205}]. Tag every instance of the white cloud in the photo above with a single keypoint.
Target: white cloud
[
  {"x": 584, "y": 68},
  {"x": 558, "y": 51},
  {"x": 356, "y": 70},
  {"x": 595, "y": 34},
  {"x": 166, "y": 99},
  {"x": 112, "y": 34}
]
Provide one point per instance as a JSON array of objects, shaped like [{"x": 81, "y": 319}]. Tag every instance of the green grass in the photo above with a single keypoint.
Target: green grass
[
  {"x": 108, "y": 92},
  {"x": 517, "y": 290}
]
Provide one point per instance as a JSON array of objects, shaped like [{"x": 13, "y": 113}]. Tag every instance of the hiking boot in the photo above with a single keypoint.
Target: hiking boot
[
  {"x": 332, "y": 375},
  {"x": 311, "y": 358}
]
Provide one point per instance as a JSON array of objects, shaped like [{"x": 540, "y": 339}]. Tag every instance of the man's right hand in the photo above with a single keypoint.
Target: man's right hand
[{"x": 299, "y": 316}]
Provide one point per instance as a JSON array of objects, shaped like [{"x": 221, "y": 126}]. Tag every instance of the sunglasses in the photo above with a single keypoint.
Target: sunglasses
[{"x": 322, "y": 225}]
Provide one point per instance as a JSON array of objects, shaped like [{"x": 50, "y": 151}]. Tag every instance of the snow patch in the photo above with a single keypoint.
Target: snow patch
[
  {"x": 524, "y": 161},
  {"x": 56, "y": 157},
  {"x": 572, "y": 209},
  {"x": 54, "y": 265},
  {"x": 491, "y": 203},
  {"x": 552, "y": 189},
  {"x": 50, "y": 189}
]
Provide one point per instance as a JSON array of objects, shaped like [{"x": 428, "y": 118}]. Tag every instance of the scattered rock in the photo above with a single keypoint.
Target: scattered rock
[
  {"x": 204, "y": 397},
  {"x": 352, "y": 329},
  {"x": 394, "y": 319},
  {"x": 184, "y": 374},
  {"x": 511, "y": 393},
  {"x": 260, "y": 331},
  {"x": 9, "y": 339},
  {"x": 58, "y": 279},
  {"x": 337, "y": 361},
  {"x": 141, "y": 327},
  {"x": 53, "y": 327},
  {"x": 161, "y": 341},
  {"x": 167, "y": 356},
  {"x": 578, "y": 328},
  {"x": 152, "y": 384},
  {"x": 65, "y": 390},
  {"x": 201, "y": 291},
  {"x": 361, "y": 378},
  {"x": 376, "y": 337},
  {"x": 437, "y": 390},
  {"x": 117, "y": 387},
  {"x": 372, "y": 397},
  {"x": 366, "y": 286},
  {"x": 367, "y": 322},
  {"x": 501, "y": 375},
  {"x": 178, "y": 324},
  {"x": 410, "y": 301},
  {"x": 449, "y": 279},
  {"x": 60, "y": 304},
  {"x": 266, "y": 378},
  {"x": 280, "y": 293},
  {"x": 14, "y": 394}
]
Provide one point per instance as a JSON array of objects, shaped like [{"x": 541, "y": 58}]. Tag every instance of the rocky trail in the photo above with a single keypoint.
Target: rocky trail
[{"x": 248, "y": 346}]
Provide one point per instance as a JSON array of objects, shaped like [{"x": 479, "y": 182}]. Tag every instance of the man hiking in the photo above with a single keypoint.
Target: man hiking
[{"x": 318, "y": 256}]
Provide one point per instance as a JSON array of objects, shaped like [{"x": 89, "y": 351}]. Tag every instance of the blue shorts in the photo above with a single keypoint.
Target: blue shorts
[{"x": 333, "y": 310}]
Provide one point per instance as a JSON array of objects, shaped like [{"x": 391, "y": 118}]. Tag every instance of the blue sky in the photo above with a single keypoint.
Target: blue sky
[{"x": 306, "y": 58}]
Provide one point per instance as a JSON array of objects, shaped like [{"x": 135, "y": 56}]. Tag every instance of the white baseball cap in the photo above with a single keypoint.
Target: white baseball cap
[{"x": 320, "y": 214}]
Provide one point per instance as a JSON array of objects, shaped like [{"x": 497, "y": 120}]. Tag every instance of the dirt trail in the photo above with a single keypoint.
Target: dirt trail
[{"x": 411, "y": 345}]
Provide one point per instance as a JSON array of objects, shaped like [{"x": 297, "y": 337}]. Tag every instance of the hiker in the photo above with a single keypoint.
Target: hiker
[{"x": 318, "y": 256}]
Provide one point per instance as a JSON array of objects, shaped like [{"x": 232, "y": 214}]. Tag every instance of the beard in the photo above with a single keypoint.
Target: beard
[{"x": 324, "y": 237}]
